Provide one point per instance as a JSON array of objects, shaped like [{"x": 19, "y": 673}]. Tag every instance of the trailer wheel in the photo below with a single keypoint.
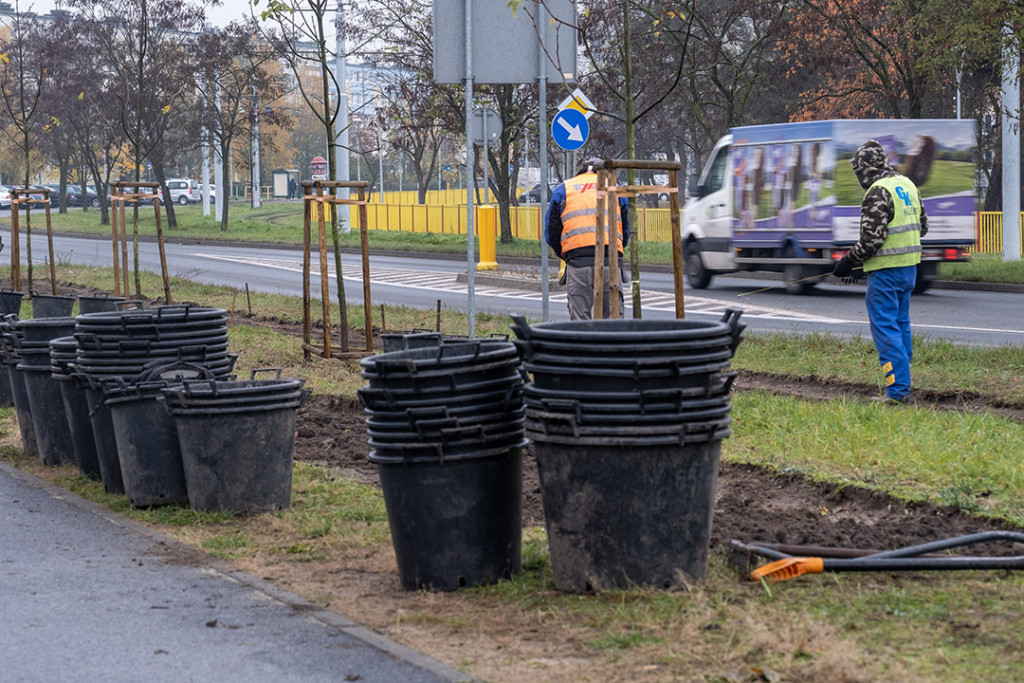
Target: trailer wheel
[
  {"x": 697, "y": 275},
  {"x": 927, "y": 273},
  {"x": 795, "y": 276}
]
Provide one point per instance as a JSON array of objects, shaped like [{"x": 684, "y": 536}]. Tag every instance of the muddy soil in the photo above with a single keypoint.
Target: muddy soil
[{"x": 753, "y": 504}]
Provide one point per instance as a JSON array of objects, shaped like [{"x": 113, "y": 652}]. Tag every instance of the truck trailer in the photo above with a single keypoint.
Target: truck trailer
[{"x": 783, "y": 198}]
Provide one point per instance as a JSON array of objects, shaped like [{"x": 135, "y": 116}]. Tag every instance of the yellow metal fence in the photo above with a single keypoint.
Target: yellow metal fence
[
  {"x": 653, "y": 225},
  {"x": 989, "y": 233}
]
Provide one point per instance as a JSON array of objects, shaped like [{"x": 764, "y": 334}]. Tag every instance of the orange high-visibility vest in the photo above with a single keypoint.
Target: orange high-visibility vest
[{"x": 579, "y": 218}]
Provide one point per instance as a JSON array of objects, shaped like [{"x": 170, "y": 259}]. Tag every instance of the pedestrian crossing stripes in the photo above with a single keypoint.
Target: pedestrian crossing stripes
[{"x": 448, "y": 282}]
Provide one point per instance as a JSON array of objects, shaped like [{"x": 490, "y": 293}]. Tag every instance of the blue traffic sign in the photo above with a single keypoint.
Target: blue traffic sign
[{"x": 570, "y": 129}]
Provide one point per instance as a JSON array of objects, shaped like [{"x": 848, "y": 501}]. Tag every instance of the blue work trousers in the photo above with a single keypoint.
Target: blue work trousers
[{"x": 888, "y": 302}]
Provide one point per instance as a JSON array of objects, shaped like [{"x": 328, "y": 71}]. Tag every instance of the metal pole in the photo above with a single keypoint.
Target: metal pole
[
  {"x": 470, "y": 269},
  {"x": 218, "y": 171},
  {"x": 341, "y": 123},
  {"x": 380, "y": 161},
  {"x": 256, "y": 199},
  {"x": 205, "y": 173},
  {"x": 526, "y": 165},
  {"x": 487, "y": 184},
  {"x": 542, "y": 157},
  {"x": 1011, "y": 148}
]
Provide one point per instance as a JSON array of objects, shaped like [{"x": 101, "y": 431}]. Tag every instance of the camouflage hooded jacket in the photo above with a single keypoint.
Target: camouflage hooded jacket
[{"x": 877, "y": 210}]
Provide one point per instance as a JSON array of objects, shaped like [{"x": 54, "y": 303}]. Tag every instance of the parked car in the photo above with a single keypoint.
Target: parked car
[
  {"x": 73, "y": 194},
  {"x": 5, "y": 197},
  {"x": 213, "y": 193},
  {"x": 533, "y": 194},
  {"x": 183, "y": 191}
]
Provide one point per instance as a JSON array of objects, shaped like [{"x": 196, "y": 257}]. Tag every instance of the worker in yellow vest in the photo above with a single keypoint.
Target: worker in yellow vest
[
  {"x": 570, "y": 229},
  {"x": 892, "y": 222}
]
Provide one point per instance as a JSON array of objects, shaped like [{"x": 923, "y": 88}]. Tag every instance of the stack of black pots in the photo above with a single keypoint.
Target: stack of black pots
[
  {"x": 237, "y": 441},
  {"x": 446, "y": 427},
  {"x": 116, "y": 351},
  {"x": 627, "y": 419}
]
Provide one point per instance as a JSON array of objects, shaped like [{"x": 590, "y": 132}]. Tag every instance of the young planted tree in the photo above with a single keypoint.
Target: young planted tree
[
  {"x": 233, "y": 66},
  {"x": 144, "y": 46},
  {"x": 398, "y": 39},
  {"x": 22, "y": 78},
  {"x": 637, "y": 51},
  {"x": 300, "y": 39}
]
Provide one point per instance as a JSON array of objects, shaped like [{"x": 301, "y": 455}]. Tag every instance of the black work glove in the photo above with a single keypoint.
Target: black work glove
[{"x": 843, "y": 268}]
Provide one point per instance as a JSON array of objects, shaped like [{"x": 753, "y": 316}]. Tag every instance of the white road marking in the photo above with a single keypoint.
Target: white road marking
[{"x": 446, "y": 282}]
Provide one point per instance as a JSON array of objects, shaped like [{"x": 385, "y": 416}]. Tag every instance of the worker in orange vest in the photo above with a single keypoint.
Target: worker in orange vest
[{"x": 570, "y": 229}]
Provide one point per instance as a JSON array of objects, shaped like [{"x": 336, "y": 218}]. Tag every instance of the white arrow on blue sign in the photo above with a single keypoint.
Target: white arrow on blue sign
[{"x": 570, "y": 129}]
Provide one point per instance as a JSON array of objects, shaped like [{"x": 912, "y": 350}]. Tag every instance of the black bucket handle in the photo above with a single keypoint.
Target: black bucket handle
[
  {"x": 521, "y": 327},
  {"x": 256, "y": 371}
]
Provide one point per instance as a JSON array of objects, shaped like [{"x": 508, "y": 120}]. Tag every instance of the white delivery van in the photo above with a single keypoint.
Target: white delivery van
[{"x": 783, "y": 197}]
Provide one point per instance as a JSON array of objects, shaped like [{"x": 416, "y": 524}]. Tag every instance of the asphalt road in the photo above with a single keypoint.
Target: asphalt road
[
  {"x": 87, "y": 595},
  {"x": 983, "y": 318}
]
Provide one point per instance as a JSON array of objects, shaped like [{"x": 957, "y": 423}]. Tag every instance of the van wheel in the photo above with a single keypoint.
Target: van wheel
[
  {"x": 795, "y": 276},
  {"x": 697, "y": 275},
  {"x": 927, "y": 273},
  {"x": 182, "y": 200}
]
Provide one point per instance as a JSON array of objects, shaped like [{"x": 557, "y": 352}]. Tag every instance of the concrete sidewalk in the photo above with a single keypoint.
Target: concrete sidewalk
[{"x": 87, "y": 595}]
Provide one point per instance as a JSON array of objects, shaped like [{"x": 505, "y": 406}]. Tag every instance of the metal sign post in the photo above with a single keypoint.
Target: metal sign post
[{"x": 486, "y": 128}]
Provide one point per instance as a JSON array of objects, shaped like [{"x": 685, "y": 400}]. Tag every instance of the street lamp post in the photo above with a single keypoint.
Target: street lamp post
[{"x": 380, "y": 161}]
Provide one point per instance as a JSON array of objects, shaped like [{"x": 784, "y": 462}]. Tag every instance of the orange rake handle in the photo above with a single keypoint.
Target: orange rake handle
[{"x": 788, "y": 568}]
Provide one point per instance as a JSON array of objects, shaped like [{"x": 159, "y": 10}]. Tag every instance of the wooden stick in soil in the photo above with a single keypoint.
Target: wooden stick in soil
[
  {"x": 163, "y": 253},
  {"x": 306, "y": 239},
  {"x": 15, "y": 245},
  {"x": 49, "y": 244},
  {"x": 114, "y": 242},
  {"x": 383, "y": 322},
  {"x": 364, "y": 244},
  {"x": 248, "y": 299},
  {"x": 437, "y": 323},
  {"x": 325, "y": 290}
]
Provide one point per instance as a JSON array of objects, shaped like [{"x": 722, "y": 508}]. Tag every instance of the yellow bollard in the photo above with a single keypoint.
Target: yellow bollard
[{"x": 486, "y": 221}]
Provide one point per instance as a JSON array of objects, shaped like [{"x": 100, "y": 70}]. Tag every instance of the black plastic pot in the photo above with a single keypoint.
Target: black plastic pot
[
  {"x": 99, "y": 304},
  {"x": 605, "y": 380},
  {"x": 237, "y": 461},
  {"x": 40, "y": 330},
  {"x": 23, "y": 409},
  {"x": 51, "y": 306},
  {"x": 10, "y": 302},
  {"x": 83, "y": 442},
  {"x": 147, "y": 445},
  {"x": 236, "y": 456},
  {"x": 454, "y": 524},
  {"x": 103, "y": 435},
  {"x": 627, "y": 335},
  {"x": 622, "y": 517},
  {"x": 49, "y": 419}
]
